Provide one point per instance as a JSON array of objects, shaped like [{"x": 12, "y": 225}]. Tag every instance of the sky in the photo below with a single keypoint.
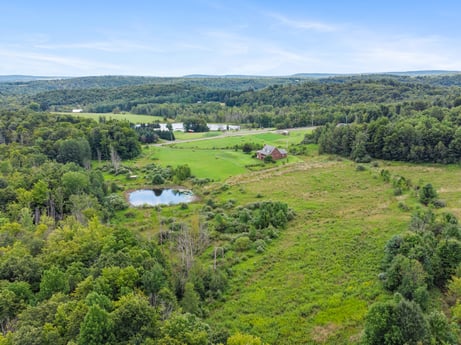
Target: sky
[{"x": 267, "y": 37}]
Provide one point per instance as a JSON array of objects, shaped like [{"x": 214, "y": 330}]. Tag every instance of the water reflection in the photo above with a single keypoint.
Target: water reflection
[{"x": 153, "y": 197}]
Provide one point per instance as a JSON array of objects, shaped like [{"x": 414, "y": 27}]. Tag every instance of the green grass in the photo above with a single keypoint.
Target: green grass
[
  {"x": 229, "y": 141},
  {"x": 133, "y": 118},
  {"x": 314, "y": 284},
  {"x": 214, "y": 164},
  {"x": 190, "y": 136}
]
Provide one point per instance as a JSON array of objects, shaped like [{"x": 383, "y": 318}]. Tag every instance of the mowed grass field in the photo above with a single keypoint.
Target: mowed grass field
[
  {"x": 216, "y": 158},
  {"x": 233, "y": 139},
  {"x": 133, "y": 118},
  {"x": 314, "y": 284}
]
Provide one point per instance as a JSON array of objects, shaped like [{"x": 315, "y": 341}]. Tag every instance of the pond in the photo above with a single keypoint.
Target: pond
[{"x": 153, "y": 197}]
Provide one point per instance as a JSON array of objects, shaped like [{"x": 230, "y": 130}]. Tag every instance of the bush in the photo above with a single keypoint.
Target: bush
[
  {"x": 438, "y": 203},
  {"x": 130, "y": 214},
  {"x": 427, "y": 194},
  {"x": 269, "y": 159},
  {"x": 242, "y": 243},
  {"x": 386, "y": 175},
  {"x": 158, "y": 179},
  {"x": 403, "y": 206},
  {"x": 360, "y": 168},
  {"x": 116, "y": 202}
]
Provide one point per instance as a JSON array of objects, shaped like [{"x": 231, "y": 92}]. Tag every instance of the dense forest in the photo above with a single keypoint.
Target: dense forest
[{"x": 72, "y": 270}]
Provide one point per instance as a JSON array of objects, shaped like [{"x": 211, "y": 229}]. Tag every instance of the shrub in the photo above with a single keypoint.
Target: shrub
[
  {"x": 398, "y": 191},
  {"x": 116, "y": 202},
  {"x": 130, "y": 214},
  {"x": 427, "y": 194},
  {"x": 242, "y": 243},
  {"x": 158, "y": 179},
  {"x": 403, "y": 206},
  {"x": 438, "y": 203}
]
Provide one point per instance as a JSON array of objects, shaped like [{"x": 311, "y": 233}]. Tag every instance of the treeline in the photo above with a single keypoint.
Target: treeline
[
  {"x": 323, "y": 92},
  {"x": 149, "y": 133},
  {"x": 65, "y": 137},
  {"x": 346, "y": 93},
  {"x": 225, "y": 83},
  {"x": 432, "y": 135},
  {"x": 45, "y": 166}
]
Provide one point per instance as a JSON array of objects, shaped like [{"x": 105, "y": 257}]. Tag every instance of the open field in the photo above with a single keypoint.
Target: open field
[
  {"x": 133, "y": 118},
  {"x": 217, "y": 165},
  {"x": 314, "y": 284},
  {"x": 191, "y": 136},
  {"x": 233, "y": 139}
]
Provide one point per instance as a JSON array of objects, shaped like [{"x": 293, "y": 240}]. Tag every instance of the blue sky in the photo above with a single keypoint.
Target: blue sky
[{"x": 175, "y": 38}]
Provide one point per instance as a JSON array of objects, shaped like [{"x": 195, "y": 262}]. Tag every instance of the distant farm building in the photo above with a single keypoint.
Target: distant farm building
[
  {"x": 271, "y": 151},
  {"x": 77, "y": 110}
]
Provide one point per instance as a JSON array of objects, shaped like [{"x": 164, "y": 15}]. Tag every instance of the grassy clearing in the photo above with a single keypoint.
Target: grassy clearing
[
  {"x": 218, "y": 165},
  {"x": 133, "y": 118},
  {"x": 315, "y": 283},
  {"x": 191, "y": 136},
  {"x": 230, "y": 141}
]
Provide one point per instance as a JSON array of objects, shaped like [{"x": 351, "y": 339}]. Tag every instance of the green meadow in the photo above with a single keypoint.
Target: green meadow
[
  {"x": 133, "y": 118},
  {"x": 313, "y": 283},
  {"x": 216, "y": 158},
  {"x": 199, "y": 135},
  {"x": 233, "y": 139}
]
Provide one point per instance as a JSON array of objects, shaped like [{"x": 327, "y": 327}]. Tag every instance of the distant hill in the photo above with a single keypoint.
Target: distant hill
[
  {"x": 105, "y": 93},
  {"x": 423, "y": 73},
  {"x": 24, "y": 78}
]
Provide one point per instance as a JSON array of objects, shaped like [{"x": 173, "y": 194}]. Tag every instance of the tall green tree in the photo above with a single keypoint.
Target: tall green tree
[{"x": 96, "y": 328}]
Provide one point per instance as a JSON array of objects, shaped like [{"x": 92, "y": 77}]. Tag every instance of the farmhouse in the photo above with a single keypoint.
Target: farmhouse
[{"x": 271, "y": 151}]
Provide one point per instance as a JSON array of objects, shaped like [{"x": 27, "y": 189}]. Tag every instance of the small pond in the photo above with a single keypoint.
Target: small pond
[{"x": 153, "y": 197}]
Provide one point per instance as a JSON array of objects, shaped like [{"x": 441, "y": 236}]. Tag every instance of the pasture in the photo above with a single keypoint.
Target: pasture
[
  {"x": 133, "y": 118},
  {"x": 230, "y": 140},
  {"x": 217, "y": 165}
]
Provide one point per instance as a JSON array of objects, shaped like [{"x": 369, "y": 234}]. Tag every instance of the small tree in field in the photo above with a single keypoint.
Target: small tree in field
[
  {"x": 269, "y": 159},
  {"x": 427, "y": 194}
]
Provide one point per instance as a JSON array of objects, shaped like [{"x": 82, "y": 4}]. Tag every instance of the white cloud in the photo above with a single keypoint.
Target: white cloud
[
  {"x": 28, "y": 62},
  {"x": 302, "y": 24},
  {"x": 105, "y": 46},
  {"x": 381, "y": 52}
]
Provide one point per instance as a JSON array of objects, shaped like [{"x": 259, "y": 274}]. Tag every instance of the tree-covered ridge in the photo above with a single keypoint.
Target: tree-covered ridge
[
  {"x": 104, "y": 94},
  {"x": 104, "y": 82},
  {"x": 324, "y": 93}
]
